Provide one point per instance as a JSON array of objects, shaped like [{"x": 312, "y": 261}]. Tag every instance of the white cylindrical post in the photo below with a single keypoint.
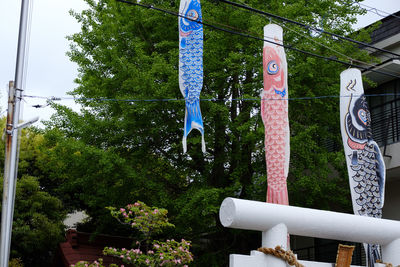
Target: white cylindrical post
[
  {"x": 276, "y": 236},
  {"x": 261, "y": 216},
  {"x": 391, "y": 252}
]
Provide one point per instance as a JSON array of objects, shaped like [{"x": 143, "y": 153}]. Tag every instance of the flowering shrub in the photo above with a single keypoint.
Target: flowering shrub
[
  {"x": 98, "y": 263},
  {"x": 148, "y": 221},
  {"x": 169, "y": 253}
]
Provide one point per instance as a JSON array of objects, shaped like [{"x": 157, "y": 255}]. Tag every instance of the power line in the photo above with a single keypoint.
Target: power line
[
  {"x": 101, "y": 99},
  {"x": 349, "y": 64},
  {"x": 376, "y": 10},
  {"x": 312, "y": 39},
  {"x": 306, "y": 26},
  {"x": 371, "y": 66}
]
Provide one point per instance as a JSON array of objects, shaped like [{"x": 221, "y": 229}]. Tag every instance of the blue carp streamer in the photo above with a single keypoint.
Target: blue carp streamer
[{"x": 191, "y": 65}]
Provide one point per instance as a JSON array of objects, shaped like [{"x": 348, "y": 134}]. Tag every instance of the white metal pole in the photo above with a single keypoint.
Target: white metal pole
[{"x": 12, "y": 133}]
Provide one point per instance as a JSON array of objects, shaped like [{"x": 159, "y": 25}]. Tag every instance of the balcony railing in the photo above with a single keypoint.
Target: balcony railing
[
  {"x": 385, "y": 120},
  {"x": 327, "y": 252}
]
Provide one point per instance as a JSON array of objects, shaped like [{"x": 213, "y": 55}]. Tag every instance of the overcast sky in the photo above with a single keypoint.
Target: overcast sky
[{"x": 50, "y": 73}]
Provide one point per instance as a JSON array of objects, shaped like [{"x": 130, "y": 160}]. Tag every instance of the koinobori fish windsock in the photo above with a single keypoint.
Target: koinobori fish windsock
[
  {"x": 274, "y": 112},
  {"x": 365, "y": 164},
  {"x": 191, "y": 65}
]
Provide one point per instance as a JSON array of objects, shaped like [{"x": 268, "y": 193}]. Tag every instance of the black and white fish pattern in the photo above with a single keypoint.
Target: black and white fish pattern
[{"x": 365, "y": 164}]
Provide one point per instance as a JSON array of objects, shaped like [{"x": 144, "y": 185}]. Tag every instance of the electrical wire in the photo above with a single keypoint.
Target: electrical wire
[
  {"x": 101, "y": 99},
  {"x": 371, "y": 66},
  {"x": 376, "y": 11},
  {"x": 311, "y": 39},
  {"x": 349, "y": 64},
  {"x": 306, "y": 26}
]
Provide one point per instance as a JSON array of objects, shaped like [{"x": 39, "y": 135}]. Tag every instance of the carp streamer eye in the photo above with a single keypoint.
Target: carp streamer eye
[
  {"x": 272, "y": 67},
  {"x": 363, "y": 116},
  {"x": 192, "y": 14}
]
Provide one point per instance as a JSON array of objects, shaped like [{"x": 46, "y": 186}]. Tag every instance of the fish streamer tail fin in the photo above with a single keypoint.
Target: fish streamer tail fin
[
  {"x": 277, "y": 195},
  {"x": 193, "y": 120}
]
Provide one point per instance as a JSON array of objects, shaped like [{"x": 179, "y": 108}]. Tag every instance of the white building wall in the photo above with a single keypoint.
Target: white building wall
[{"x": 392, "y": 196}]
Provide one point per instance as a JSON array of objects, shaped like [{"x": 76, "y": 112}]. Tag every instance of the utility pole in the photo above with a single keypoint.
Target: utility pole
[{"x": 12, "y": 131}]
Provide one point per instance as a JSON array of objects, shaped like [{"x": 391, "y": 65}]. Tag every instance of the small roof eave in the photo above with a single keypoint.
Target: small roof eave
[{"x": 391, "y": 66}]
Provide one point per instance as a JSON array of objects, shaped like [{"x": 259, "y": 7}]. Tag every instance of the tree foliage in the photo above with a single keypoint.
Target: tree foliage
[
  {"x": 114, "y": 151},
  {"x": 38, "y": 223},
  {"x": 38, "y": 215}
]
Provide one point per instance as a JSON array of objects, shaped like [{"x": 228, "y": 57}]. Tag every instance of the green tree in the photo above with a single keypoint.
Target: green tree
[
  {"x": 38, "y": 223},
  {"x": 38, "y": 216},
  {"x": 118, "y": 150}
]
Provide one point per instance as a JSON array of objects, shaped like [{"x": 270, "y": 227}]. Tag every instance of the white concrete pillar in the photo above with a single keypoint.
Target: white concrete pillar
[
  {"x": 261, "y": 216},
  {"x": 391, "y": 252},
  {"x": 276, "y": 236}
]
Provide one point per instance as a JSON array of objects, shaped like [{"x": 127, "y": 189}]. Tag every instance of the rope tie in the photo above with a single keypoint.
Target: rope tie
[
  {"x": 279, "y": 252},
  {"x": 386, "y": 263}
]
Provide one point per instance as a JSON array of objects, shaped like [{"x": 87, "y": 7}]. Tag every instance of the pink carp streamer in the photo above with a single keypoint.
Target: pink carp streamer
[{"x": 274, "y": 112}]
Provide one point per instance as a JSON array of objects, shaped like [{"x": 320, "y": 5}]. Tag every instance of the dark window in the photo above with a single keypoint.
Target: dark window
[
  {"x": 385, "y": 113},
  {"x": 325, "y": 250}
]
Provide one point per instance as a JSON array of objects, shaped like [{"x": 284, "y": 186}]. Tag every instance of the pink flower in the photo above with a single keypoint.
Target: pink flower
[
  {"x": 121, "y": 209},
  {"x": 147, "y": 261},
  {"x": 136, "y": 204}
]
